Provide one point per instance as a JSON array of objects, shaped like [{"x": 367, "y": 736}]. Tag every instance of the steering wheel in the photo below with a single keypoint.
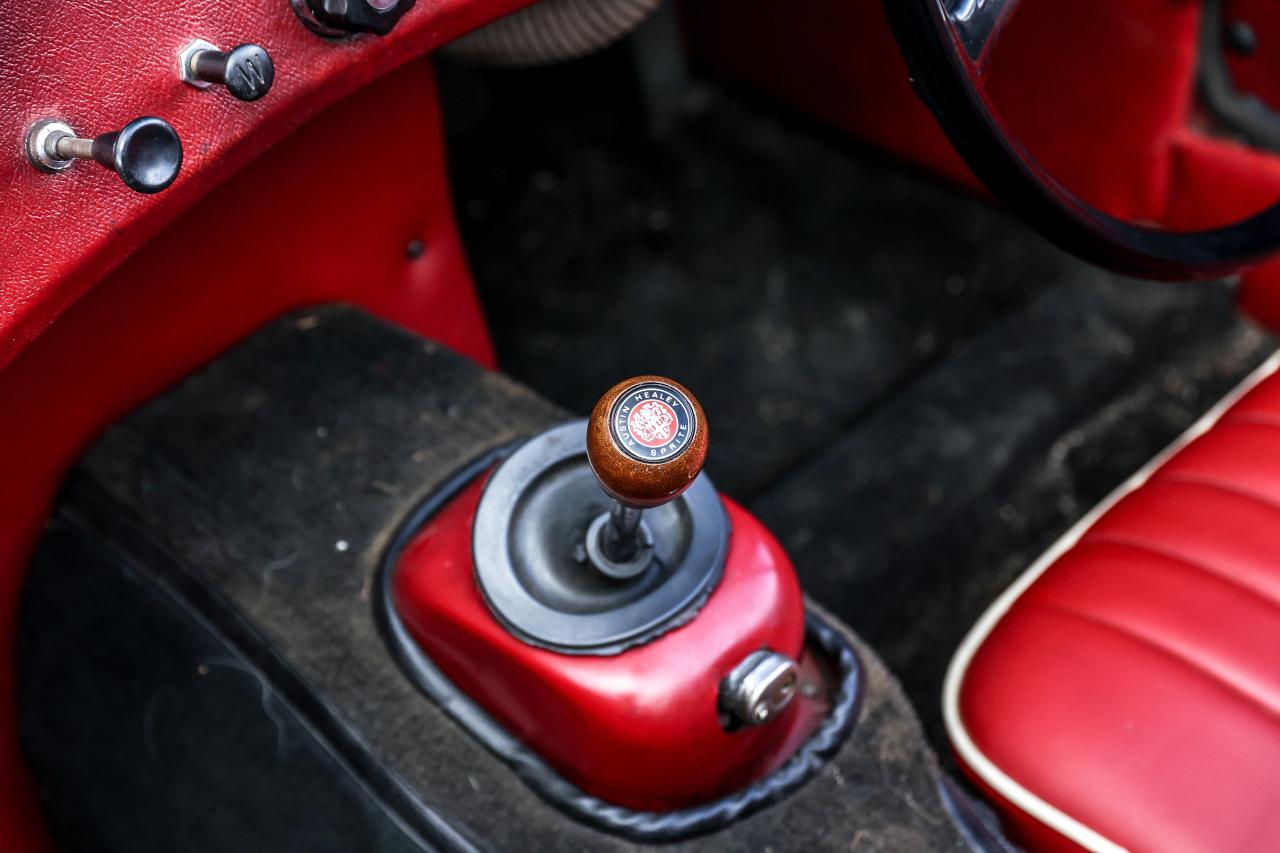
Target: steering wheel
[{"x": 947, "y": 46}]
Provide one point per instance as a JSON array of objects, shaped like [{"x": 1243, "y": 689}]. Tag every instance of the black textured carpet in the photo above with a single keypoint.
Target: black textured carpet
[
  {"x": 913, "y": 390},
  {"x": 244, "y": 682}
]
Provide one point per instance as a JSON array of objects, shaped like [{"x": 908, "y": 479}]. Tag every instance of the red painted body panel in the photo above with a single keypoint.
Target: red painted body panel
[
  {"x": 1134, "y": 685},
  {"x": 646, "y": 733},
  {"x": 99, "y": 65},
  {"x": 1216, "y": 180},
  {"x": 1256, "y": 74},
  {"x": 304, "y": 224}
]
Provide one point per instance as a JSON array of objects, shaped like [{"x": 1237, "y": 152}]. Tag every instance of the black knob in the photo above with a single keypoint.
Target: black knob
[
  {"x": 246, "y": 70},
  {"x": 340, "y": 17},
  {"x": 146, "y": 153}
]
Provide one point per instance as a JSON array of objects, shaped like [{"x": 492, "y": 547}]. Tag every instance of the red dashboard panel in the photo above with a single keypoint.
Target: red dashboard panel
[
  {"x": 100, "y": 65},
  {"x": 302, "y": 224}
]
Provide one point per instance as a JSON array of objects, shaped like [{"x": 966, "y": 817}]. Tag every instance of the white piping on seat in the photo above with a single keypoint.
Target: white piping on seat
[{"x": 969, "y": 752}]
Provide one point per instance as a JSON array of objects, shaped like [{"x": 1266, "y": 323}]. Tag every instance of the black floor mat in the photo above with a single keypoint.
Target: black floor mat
[{"x": 913, "y": 390}]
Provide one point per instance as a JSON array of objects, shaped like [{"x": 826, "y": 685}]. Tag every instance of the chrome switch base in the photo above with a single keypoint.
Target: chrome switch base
[{"x": 42, "y": 142}]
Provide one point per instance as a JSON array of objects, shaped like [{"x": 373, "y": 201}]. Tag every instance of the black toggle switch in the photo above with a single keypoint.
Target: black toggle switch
[
  {"x": 246, "y": 70},
  {"x": 146, "y": 153}
]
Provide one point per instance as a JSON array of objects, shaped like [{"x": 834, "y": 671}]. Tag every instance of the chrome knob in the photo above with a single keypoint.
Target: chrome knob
[
  {"x": 758, "y": 689},
  {"x": 146, "y": 153},
  {"x": 646, "y": 442}
]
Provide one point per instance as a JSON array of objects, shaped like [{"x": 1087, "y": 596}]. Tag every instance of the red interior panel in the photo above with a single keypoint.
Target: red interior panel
[
  {"x": 99, "y": 65},
  {"x": 306, "y": 223},
  {"x": 1054, "y": 76},
  {"x": 1256, "y": 73},
  {"x": 1103, "y": 92}
]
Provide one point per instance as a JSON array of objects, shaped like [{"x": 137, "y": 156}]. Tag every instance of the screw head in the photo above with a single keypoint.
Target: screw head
[{"x": 758, "y": 689}]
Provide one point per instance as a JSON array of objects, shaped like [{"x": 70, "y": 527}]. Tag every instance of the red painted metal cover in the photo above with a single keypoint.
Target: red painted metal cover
[{"x": 640, "y": 728}]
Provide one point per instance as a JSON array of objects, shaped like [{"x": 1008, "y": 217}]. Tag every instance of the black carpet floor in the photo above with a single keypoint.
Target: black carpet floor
[{"x": 915, "y": 392}]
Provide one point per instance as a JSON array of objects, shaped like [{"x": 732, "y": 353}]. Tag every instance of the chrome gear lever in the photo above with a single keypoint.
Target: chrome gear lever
[{"x": 646, "y": 443}]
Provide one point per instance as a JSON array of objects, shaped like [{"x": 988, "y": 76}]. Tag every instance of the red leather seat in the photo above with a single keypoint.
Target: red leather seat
[{"x": 1125, "y": 692}]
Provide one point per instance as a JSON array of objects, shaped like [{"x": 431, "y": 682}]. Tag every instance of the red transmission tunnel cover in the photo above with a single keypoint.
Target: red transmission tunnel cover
[{"x": 1125, "y": 691}]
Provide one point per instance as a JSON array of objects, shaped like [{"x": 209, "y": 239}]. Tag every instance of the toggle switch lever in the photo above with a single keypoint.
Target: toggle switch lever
[
  {"x": 646, "y": 442},
  {"x": 146, "y": 153},
  {"x": 246, "y": 70}
]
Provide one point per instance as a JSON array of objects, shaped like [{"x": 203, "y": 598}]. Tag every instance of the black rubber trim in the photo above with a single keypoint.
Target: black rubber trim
[
  {"x": 974, "y": 819},
  {"x": 554, "y": 788}
]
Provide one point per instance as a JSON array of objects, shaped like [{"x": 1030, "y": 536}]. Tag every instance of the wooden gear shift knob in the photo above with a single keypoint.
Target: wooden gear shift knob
[{"x": 647, "y": 441}]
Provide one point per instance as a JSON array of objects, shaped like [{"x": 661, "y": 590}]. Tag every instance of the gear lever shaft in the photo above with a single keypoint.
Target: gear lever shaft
[{"x": 646, "y": 442}]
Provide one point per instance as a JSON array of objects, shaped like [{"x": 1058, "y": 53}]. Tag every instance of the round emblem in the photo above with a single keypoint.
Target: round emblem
[{"x": 652, "y": 422}]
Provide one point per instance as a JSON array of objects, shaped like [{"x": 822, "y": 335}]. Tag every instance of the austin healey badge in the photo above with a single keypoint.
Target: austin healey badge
[{"x": 652, "y": 422}]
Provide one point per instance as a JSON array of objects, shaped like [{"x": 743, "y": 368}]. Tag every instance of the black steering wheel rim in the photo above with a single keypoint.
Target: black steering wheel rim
[{"x": 941, "y": 57}]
